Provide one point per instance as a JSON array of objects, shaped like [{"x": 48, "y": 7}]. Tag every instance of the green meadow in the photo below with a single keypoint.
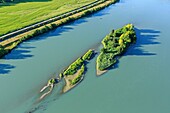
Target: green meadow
[{"x": 18, "y": 14}]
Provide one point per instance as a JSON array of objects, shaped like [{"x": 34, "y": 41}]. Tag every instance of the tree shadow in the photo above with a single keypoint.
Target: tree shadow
[
  {"x": 144, "y": 37},
  {"x": 116, "y": 65},
  {"x": 5, "y": 68},
  {"x": 22, "y": 52},
  {"x": 14, "y": 2},
  {"x": 18, "y": 54}
]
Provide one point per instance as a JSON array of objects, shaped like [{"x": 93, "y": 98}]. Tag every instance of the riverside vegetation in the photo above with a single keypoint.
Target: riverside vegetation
[{"x": 9, "y": 44}]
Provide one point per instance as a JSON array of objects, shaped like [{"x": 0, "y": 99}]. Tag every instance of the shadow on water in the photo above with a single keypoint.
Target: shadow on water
[
  {"x": 59, "y": 30},
  {"x": 18, "y": 54},
  {"x": 144, "y": 37},
  {"x": 5, "y": 68},
  {"x": 115, "y": 66},
  {"x": 22, "y": 52},
  {"x": 56, "y": 32}
]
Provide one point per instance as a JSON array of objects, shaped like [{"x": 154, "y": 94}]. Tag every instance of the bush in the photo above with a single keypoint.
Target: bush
[
  {"x": 36, "y": 32},
  {"x": 52, "y": 81},
  {"x": 61, "y": 75},
  {"x": 105, "y": 60},
  {"x": 53, "y": 25},
  {"x": 3, "y": 51},
  {"x": 79, "y": 76},
  {"x": 88, "y": 55},
  {"x": 72, "y": 69}
]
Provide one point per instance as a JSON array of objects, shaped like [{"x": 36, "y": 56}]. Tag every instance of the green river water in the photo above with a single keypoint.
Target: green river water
[{"x": 140, "y": 82}]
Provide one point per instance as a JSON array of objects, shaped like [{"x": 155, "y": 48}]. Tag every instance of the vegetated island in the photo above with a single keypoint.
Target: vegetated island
[
  {"x": 72, "y": 75},
  {"x": 8, "y": 44},
  {"x": 114, "y": 45}
]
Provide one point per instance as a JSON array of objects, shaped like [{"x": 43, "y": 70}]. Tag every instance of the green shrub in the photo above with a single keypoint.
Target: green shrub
[
  {"x": 3, "y": 51},
  {"x": 53, "y": 25},
  {"x": 51, "y": 81},
  {"x": 72, "y": 69},
  {"x": 36, "y": 32},
  {"x": 61, "y": 75},
  {"x": 105, "y": 60},
  {"x": 79, "y": 76},
  {"x": 88, "y": 55}
]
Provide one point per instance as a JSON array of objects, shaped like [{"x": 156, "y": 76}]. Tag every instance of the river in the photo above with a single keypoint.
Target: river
[{"x": 140, "y": 82}]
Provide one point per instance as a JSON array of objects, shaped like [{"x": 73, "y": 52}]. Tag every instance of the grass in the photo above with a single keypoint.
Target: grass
[
  {"x": 16, "y": 15},
  {"x": 115, "y": 44}
]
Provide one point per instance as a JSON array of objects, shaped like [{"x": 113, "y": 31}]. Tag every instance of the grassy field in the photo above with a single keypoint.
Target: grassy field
[{"x": 17, "y": 15}]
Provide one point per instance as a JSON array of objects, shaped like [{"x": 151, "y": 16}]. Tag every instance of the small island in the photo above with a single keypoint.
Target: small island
[
  {"x": 114, "y": 45},
  {"x": 74, "y": 73}
]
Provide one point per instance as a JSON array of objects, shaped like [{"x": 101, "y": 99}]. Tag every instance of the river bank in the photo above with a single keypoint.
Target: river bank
[{"x": 38, "y": 31}]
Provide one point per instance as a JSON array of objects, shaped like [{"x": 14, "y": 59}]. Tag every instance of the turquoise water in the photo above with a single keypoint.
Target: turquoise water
[{"x": 139, "y": 83}]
